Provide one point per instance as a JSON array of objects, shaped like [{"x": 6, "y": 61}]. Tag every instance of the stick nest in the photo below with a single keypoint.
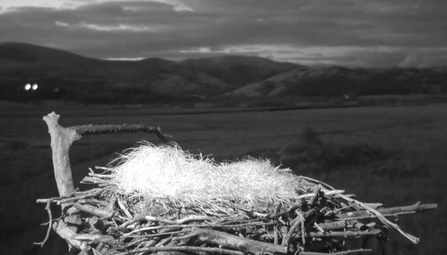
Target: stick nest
[{"x": 163, "y": 199}]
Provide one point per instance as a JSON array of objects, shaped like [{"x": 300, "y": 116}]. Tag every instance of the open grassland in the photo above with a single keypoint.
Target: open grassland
[{"x": 393, "y": 155}]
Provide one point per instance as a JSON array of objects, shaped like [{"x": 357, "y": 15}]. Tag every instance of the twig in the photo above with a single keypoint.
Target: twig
[
  {"x": 50, "y": 221},
  {"x": 416, "y": 207},
  {"x": 76, "y": 198},
  {"x": 313, "y": 199},
  {"x": 371, "y": 216},
  {"x": 157, "y": 219},
  {"x": 318, "y": 227},
  {"x": 73, "y": 197},
  {"x": 93, "y": 238},
  {"x": 326, "y": 193},
  {"x": 303, "y": 229},
  {"x": 202, "y": 226},
  {"x": 297, "y": 223},
  {"x": 156, "y": 235},
  {"x": 412, "y": 238},
  {"x": 52, "y": 199},
  {"x": 344, "y": 233},
  {"x": 123, "y": 207},
  {"x": 276, "y": 235},
  {"x": 343, "y": 224}
]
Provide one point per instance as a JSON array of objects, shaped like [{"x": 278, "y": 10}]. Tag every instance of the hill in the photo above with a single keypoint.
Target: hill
[
  {"x": 239, "y": 70},
  {"x": 57, "y": 69},
  {"x": 336, "y": 81},
  {"x": 64, "y": 75}
]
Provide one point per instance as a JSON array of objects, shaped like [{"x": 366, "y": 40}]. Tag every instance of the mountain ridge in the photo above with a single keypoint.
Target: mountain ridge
[
  {"x": 208, "y": 77},
  {"x": 38, "y": 62}
]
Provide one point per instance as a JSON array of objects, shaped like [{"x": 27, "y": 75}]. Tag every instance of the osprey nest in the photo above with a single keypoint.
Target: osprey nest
[{"x": 165, "y": 200}]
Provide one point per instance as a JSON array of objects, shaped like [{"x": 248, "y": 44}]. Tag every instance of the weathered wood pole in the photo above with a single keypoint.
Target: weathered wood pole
[{"x": 61, "y": 141}]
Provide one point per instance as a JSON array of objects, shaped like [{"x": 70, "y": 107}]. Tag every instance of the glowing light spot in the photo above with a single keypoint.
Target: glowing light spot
[
  {"x": 28, "y": 86},
  {"x": 35, "y": 86}
]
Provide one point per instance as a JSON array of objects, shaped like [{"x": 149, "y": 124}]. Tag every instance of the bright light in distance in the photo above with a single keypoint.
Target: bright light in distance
[
  {"x": 35, "y": 86},
  {"x": 28, "y": 86}
]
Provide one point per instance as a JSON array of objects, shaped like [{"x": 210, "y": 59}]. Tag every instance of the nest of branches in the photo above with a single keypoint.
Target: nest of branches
[{"x": 164, "y": 200}]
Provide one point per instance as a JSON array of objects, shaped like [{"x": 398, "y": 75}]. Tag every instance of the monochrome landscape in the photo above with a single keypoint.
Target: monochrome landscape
[{"x": 350, "y": 93}]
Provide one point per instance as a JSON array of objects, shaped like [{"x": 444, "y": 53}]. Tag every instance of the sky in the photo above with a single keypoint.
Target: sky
[{"x": 353, "y": 33}]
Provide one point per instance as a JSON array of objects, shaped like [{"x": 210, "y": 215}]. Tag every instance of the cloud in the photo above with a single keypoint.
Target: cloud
[
  {"x": 109, "y": 28},
  {"x": 425, "y": 58},
  {"x": 15, "y": 5},
  {"x": 347, "y": 32}
]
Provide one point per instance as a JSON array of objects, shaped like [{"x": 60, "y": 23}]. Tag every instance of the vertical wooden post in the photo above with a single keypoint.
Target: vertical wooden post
[{"x": 61, "y": 141}]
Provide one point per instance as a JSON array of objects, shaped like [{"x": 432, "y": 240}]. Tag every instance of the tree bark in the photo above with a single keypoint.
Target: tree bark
[{"x": 61, "y": 141}]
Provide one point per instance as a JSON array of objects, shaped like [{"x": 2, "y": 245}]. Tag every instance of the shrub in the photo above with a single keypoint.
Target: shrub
[
  {"x": 309, "y": 135},
  {"x": 309, "y": 152}
]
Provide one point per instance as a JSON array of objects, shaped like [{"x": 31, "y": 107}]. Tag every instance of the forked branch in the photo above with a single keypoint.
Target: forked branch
[{"x": 61, "y": 141}]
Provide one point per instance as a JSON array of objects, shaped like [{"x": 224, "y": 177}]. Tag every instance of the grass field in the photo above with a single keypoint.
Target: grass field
[{"x": 393, "y": 155}]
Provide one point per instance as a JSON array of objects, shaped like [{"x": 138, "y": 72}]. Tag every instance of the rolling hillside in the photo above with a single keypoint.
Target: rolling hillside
[
  {"x": 61, "y": 74},
  {"x": 239, "y": 70},
  {"x": 336, "y": 81},
  {"x": 22, "y": 63}
]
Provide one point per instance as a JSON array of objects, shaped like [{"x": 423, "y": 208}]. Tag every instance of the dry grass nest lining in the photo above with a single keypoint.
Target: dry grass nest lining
[{"x": 167, "y": 173}]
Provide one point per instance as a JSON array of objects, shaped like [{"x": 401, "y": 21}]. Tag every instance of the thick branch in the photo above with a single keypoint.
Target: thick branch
[
  {"x": 107, "y": 129},
  {"x": 343, "y": 224},
  {"x": 335, "y": 253},
  {"x": 418, "y": 207},
  {"x": 183, "y": 248},
  {"x": 344, "y": 233},
  {"x": 62, "y": 138},
  {"x": 66, "y": 233},
  {"x": 104, "y": 213},
  {"x": 61, "y": 141},
  {"x": 384, "y": 220},
  {"x": 229, "y": 241}
]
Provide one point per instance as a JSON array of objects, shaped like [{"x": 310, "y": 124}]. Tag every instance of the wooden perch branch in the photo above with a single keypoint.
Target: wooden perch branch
[
  {"x": 107, "y": 129},
  {"x": 61, "y": 141}
]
